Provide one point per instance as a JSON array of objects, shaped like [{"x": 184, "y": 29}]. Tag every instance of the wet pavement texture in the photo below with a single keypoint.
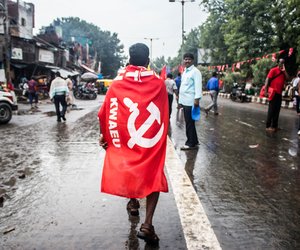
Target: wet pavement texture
[
  {"x": 247, "y": 181},
  {"x": 50, "y": 177}
]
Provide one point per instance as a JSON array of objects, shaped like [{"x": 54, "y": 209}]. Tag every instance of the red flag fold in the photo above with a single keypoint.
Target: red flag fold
[
  {"x": 163, "y": 73},
  {"x": 134, "y": 122}
]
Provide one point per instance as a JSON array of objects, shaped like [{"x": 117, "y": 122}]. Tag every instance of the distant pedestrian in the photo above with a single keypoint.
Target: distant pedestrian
[
  {"x": 171, "y": 89},
  {"x": 70, "y": 98},
  {"x": 178, "y": 81},
  {"x": 296, "y": 87},
  {"x": 213, "y": 87},
  {"x": 276, "y": 79},
  {"x": 32, "y": 92},
  {"x": 58, "y": 93},
  {"x": 190, "y": 94}
]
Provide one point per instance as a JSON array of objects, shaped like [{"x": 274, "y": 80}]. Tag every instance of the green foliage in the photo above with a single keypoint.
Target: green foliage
[
  {"x": 191, "y": 43},
  {"x": 260, "y": 71},
  {"x": 237, "y": 30},
  {"x": 206, "y": 74},
  {"x": 158, "y": 64},
  {"x": 232, "y": 77}
]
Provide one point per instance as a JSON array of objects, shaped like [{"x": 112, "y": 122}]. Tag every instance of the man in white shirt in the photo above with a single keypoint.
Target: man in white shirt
[
  {"x": 190, "y": 94},
  {"x": 171, "y": 89},
  {"x": 58, "y": 93}
]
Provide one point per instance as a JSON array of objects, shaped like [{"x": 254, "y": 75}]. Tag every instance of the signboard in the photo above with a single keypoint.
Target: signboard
[
  {"x": 204, "y": 56},
  {"x": 46, "y": 56},
  {"x": 17, "y": 53}
]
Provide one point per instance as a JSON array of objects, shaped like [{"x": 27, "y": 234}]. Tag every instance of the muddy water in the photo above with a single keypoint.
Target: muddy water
[{"x": 249, "y": 182}]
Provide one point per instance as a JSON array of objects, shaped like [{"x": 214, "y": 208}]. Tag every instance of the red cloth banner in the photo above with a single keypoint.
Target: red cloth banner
[
  {"x": 238, "y": 64},
  {"x": 134, "y": 121},
  {"x": 232, "y": 67},
  {"x": 181, "y": 69},
  {"x": 163, "y": 73},
  {"x": 291, "y": 50}
]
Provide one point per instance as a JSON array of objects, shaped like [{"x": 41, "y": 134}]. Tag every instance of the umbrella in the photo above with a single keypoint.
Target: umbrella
[{"x": 88, "y": 76}]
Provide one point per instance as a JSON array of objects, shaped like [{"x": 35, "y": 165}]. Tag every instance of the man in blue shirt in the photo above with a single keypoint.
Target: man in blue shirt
[
  {"x": 213, "y": 87},
  {"x": 178, "y": 80},
  {"x": 189, "y": 95}
]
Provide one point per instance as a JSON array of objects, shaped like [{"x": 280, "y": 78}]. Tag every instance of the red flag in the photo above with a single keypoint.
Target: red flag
[
  {"x": 291, "y": 50},
  {"x": 232, "y": 67},
  {"x": 180, "y": 68},
  {"x": 134, "y": 121},
  {"x": 163, "y": 73}
]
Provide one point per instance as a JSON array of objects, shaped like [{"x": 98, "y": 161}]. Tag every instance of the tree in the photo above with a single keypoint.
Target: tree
[
  {"x": 192, "y": 43},
  {"x": 212, "y": 36},
  {"x": 103, "y": 44},
  {"x": 260, "y": 71},
  {"x": 237, "y": 30}
]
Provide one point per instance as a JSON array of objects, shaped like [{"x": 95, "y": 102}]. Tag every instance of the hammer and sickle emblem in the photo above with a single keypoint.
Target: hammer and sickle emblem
[{"x": 137, "y": 134}]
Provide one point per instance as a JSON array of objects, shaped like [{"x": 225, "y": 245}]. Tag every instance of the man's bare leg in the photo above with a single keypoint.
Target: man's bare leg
[
  {"x": 147, "y": 231},
  {"x": 151, "y": 203}
]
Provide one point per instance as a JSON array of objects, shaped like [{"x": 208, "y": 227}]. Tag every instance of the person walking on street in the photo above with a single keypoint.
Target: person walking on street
[
  {"x": 276, "y": 79},
  {"x": 296, "y": 87},
  {"x": 133, "y": 130},
  {"x": 178, "y": 81},
  {"x": 171, "y": 89},
  {"x": 58, "y": 93},
  {"x": 213, "y": 87},
  {"x": 70, "y": 98},
  {"x": 189, "y": 95},
  {"x": 32, "y": 92}
]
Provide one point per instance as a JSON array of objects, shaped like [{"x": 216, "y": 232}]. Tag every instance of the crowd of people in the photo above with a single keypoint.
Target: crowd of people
[
  {"x": 134, "y": 163},
  {"x": 60, "y": 91}
]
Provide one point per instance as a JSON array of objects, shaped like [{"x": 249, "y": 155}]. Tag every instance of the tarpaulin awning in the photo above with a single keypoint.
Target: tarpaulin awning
[
  {"x": 63, "y": 72},
  {"x": 88, "y": 69}
]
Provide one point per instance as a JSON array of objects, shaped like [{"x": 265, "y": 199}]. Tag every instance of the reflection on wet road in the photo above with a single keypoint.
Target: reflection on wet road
[
  {"x": 249, "y": 183},
  {"x": 50, "y": 178}
]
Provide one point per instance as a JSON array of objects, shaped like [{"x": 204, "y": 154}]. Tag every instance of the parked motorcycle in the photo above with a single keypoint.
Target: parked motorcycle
[
  {"x": 237, "y": 93},
  {"x": 86, "y": 91}
]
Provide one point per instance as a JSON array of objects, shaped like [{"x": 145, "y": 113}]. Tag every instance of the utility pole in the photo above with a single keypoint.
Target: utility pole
[
  {"x": 6, "y": 46},
  {"x": 151, "y": 39},
  {"x": 182, "y": 20}
]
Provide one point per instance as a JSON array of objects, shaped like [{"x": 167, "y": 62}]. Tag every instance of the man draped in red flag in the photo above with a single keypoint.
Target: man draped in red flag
[{"x": 134, "y": 125}]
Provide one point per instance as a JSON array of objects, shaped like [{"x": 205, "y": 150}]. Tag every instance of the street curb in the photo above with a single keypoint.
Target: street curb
[
  {"x": 257, "y": 99},
  {"x": 196, "y": 227}
]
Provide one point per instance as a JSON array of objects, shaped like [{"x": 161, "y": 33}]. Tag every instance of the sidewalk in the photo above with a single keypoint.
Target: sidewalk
[{"x": 256, "y": 99}]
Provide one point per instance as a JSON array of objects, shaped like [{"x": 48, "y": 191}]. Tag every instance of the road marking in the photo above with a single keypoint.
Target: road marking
[
  {"x": 197, "y": 229},
  {"x": 244, "y": 123}
]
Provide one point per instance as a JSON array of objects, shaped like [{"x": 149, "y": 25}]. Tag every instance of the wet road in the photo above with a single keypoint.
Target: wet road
[
  {"x": 248, "y": 183},
  {"x": 50, "y": 177}
]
